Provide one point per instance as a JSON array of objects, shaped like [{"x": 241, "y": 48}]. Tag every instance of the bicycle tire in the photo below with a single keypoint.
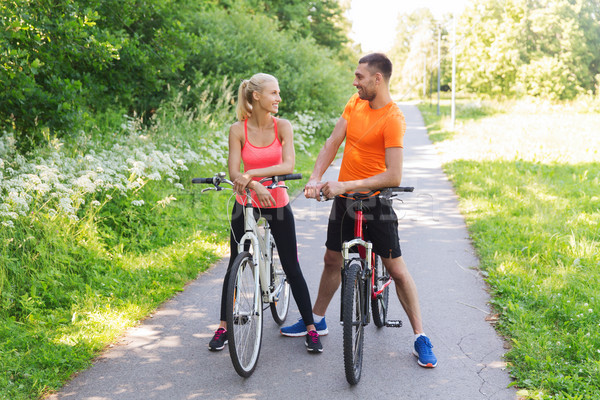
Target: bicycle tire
[
  {"x": 280, "y": 286},
  {"x": 353, "y": 320},
  {"x": 244, "y": 317},
  {"x": 379, "y": 305}
]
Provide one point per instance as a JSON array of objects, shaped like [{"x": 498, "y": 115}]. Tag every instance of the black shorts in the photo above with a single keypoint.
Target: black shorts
[{"x": 381, "y": 225}]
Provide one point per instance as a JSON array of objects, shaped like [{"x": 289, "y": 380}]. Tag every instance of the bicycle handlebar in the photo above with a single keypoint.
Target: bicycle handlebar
[
  {"x": 385, "y": 192},
  {"x": 401, "y": 189},
  {"x": 279, "y": 178},
  {"x": 220, "y": 178},
  {"x": 202, "y": 180}
]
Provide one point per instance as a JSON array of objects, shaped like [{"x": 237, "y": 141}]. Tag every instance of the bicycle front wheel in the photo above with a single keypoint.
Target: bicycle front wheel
[
  {"x": 379, "y": 305},
  {"x": 353, "y": 318},
  {"x": 280, "y": 288},
  {"x": 244, "y": 315}
]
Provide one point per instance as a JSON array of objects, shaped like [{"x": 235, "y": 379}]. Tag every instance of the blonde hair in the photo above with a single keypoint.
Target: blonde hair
[{"x": 247, "y": 87}]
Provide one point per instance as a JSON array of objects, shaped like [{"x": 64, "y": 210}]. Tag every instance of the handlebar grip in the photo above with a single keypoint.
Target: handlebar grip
[
  {"x": 288, "y": 177},
  {"x": 202, "y": 180},
  {"x": 403, "y": 189}
]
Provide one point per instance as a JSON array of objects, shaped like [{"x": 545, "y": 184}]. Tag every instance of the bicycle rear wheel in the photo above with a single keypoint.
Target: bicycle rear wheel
[
  {"x": 353, "y": 318},
  {"x": 379, "y": 305},
  {"x": 280, "y": 287},
  {"x": 244, "y": 315}
]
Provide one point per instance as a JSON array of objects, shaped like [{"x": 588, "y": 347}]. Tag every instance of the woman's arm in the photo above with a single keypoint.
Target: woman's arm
[{"x": 234, "y": 161}]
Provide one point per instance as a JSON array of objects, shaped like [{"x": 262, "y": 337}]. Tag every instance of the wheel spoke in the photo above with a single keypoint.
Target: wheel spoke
[{"x": 245, "y": 321}]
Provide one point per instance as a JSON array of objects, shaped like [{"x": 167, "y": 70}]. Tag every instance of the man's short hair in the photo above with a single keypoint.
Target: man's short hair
[{"x": 380, "y": 63}]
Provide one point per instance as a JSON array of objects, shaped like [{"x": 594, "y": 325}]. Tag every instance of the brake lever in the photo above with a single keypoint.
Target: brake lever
[
  {"x": 274, "y": 185},
  {"x": 392, "y": 196},
  {"x": 217, "y": 188}
]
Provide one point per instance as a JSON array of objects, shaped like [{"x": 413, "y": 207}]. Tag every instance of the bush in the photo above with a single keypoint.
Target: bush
[{"x": 548, "y": 78}]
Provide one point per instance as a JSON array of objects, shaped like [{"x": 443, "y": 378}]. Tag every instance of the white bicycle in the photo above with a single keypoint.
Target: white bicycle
[{"x": 256, "y": 278}]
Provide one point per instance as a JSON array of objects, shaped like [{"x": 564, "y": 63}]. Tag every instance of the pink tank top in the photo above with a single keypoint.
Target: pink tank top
[{"x": 255, "y": 157}]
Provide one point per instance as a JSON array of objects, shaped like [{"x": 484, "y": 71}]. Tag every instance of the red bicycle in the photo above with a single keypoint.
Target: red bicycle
[{"x": 364, "y": 278}]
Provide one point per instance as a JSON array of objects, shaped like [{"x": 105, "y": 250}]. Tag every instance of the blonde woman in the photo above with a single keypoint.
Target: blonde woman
[{"x": 265, "y": 146}]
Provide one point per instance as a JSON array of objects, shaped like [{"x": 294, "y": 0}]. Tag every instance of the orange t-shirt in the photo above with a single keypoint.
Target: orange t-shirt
[{"x": 369, "y": 132}]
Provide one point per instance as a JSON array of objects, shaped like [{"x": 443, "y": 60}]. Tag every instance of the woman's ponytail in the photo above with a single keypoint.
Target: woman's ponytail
[{"x": 243, "y": 108}]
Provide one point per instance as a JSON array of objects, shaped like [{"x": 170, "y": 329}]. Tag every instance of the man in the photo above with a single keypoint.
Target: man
[{"x": 373, "y": 127}]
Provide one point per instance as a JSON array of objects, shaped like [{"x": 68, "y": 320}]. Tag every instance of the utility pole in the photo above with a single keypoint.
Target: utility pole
[
  {"x": 453, "y": 114},
  {"x": 424, "y": 74},
  {"x": 439, "y": 67}
]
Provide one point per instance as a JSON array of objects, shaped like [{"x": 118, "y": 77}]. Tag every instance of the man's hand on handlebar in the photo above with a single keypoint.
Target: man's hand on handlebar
[
  {"x": 333, "y": 188},
  {"x": 312, "y": 190},
  {"x": 323, "y": 190}
]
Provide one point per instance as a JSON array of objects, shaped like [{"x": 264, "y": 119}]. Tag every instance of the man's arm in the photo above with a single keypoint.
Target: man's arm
[
  {"x": 391, "y": 177},
  {"x": 325, "y": 158}
]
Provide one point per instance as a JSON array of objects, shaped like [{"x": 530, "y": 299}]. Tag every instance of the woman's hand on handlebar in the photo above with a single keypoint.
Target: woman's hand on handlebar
[
  {"x": 264, "y": 196},
  {"x": 240, "y": 183}
]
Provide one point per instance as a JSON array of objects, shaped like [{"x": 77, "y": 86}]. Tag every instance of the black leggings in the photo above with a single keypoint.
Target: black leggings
[{"x": 283, "y": 227}]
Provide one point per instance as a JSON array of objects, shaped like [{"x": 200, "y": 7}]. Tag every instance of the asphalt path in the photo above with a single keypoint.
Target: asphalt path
[{"x": 166, "y": 357}]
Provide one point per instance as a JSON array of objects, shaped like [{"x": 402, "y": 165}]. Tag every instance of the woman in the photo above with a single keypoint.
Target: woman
[{"x": 265, "y": 145}]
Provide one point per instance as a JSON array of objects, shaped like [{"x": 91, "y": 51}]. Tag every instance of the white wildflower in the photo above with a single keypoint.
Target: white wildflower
[
  {"x": 155, "y": 176},
  {"x": 42, "y": 188},
  {"x": 137, "y": 203},
  {"x": 84, "y": 184}
]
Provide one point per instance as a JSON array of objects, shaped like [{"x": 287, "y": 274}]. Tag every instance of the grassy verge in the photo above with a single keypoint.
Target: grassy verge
[
  {"x": 96, "y": 234},
  {"x": 529, "y": 186}
]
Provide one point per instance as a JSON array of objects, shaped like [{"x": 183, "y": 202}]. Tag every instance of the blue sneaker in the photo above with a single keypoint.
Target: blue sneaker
[
  {"x": 299, "y": 329},
  {"x": 422, "y": 350}
]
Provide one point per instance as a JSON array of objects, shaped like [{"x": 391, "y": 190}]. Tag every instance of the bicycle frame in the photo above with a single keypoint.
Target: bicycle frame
[
  {"x": 361, "y": 298},
  {"x": 258, "y": 241},
  {"x": 254, "y": 280},
  {"x": 365, "y": 251}
]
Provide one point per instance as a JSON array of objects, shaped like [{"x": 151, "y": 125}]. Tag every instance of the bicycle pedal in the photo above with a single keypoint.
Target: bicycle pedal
[{"x": 393, "y": 323}]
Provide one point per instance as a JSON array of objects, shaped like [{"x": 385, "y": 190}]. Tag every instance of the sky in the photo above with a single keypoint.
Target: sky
[{"x": 374, "y": 21}]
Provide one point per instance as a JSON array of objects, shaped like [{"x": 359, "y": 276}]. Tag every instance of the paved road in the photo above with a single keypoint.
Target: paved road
[{"x": 167, "y": 356}]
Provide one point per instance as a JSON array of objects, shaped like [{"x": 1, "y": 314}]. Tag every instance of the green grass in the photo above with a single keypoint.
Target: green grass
[{"x": 529, "y": 187}]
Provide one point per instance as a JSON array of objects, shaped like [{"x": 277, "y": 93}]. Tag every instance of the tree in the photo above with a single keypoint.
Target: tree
[
  {"x": 415, "y": 46},
  {"x": 546, "y": 48},
  {"x": 50, "y": 52},
  {"x": 323, "y": 20}
]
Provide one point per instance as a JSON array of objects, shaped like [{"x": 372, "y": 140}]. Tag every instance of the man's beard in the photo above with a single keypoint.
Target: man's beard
[{"x": 364, "y": 95}]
